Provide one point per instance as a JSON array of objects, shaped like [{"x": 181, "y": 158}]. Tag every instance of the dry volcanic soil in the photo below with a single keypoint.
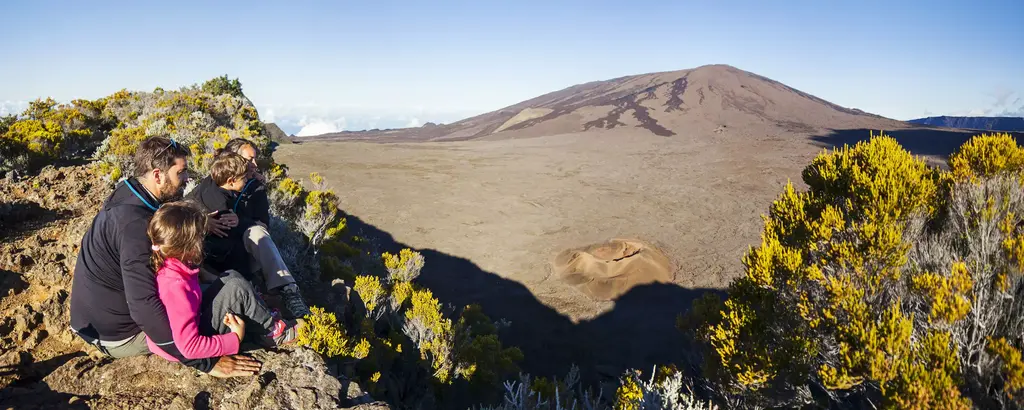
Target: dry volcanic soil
[{"x": 591, "y": 217}]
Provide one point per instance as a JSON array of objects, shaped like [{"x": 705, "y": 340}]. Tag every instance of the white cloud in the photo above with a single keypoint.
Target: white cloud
[
  {"x": 1005, "y": 102},
  {"x": 293, "y": 118},
  {"x": 9, "y": 107},
  {"x": 1002, "y": 105},
  {"x": 1019, "y": 112},
  {"x": 1002, "y": 96},
  {"x": 319, "y": 126},
  {"x": 372, "y": 122}
]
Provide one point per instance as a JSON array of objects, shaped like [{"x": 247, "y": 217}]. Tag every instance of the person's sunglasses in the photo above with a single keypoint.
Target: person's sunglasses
[{"x": 172, "y": 144}]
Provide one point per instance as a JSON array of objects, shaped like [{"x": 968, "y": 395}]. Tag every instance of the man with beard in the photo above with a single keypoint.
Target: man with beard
[{"x": 114, "y": 301}]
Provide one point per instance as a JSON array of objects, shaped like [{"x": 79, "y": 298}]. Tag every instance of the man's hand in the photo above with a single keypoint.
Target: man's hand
[
  {"x": 220, "y": 225},
  {"x": 235, "y": 366}
]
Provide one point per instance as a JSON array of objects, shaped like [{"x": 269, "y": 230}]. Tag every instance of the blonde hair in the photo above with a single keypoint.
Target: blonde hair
[
  {"x": 227, "y": 166},
  {"x": 177, "y": 231}
]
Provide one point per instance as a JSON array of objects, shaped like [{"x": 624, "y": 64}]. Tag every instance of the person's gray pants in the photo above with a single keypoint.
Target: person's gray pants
[
  {"x": 266, "y": 258},
  {"x": 232, "y": 293}
]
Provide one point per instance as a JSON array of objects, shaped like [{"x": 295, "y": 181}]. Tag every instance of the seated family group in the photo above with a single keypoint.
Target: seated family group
[{"x": 179, "y": 278}]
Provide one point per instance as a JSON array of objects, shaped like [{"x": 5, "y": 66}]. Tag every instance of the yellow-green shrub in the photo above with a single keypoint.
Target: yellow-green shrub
[
  {"x": 324, "y": 334},
  {"x": 452, "y": 350},
  {"x": 285, "y": 195},
  {"x": 202, "y": 118},
  {"x": 400, "y": 293},
  {"x": 371, "y": 292},
  {"x": 885, "y": 278},
  {"x": 1012, "y": 365},
  {"x": 46, "y": 132},
  {"x": 403, "y": 267},
  {"x": 314, "y": 212},
  {"x": 986, "y": 155},
  {"x": 319, "y": 218}
]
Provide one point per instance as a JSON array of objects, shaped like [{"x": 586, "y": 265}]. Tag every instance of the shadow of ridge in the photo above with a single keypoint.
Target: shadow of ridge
[
  {"x": 638, "y": 333},
  {"x": 30, "y": 392},
  {"x": 938, "y": 143},
  {"x": 23, "y": 216}
]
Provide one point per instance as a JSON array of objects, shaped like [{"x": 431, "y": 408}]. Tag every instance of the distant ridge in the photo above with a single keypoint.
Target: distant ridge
[
  {"x": 277, "y": 134},
  {"x": 697, "y": 101},
  {"x": 974, "y": 123}
]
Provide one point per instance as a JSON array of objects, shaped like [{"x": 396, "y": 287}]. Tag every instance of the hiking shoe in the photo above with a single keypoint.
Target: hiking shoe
[
  {"x": 292, "y": 300},
  {"x": 284, "y": 333}
]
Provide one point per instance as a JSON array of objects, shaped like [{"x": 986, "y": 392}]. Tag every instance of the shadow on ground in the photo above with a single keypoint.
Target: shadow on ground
[
  {"x": 638, "y": 333},
  {"x": 30, "y": 392},
  {"x": 23, "y": 216},
  {"x": 11, "y": 282},
  {"x": 938, "y": 143}
]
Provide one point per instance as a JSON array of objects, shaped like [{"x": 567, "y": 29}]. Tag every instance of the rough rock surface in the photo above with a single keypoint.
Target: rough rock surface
[{"x": 42, "y": 365}]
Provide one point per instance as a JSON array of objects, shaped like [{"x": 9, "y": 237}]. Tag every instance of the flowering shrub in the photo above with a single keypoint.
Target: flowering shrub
[
  {"x": 203, "y": 118},
  {"x": 46, "y": 132},
  {"x": 886, "y": 280},
  {"x": 403, "y": 267},
  {"x": 319, "y": 217},
  {"x": 407, "y": 326},
  {"x": 323, "y": 334},
  {"x": 285, "y": 196},
  {"x": 372, "y": 294}
]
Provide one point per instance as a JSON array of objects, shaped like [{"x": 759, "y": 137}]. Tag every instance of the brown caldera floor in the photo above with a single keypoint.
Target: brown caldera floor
[{"x": 607, "y": 270}]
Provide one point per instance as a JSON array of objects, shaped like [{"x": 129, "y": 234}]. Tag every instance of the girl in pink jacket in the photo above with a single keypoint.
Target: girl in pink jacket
[{"x": 206, "y": 320}]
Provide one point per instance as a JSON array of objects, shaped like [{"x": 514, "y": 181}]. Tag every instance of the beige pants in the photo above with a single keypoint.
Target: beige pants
[
  {"x": 133, "y": 346},
  {"x": 266, "y": 258}
]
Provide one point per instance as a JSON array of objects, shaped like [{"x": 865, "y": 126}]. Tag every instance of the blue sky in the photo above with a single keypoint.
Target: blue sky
[{"x": 322, "y": 66}]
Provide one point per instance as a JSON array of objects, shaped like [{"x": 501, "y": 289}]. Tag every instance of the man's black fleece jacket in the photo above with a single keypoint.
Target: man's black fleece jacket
[{"x": 113, "y": 292}]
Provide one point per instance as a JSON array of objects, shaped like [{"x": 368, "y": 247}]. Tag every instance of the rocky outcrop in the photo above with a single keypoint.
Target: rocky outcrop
[
  {"x": 277, "y": 134},
  {"x": 295, "y": 379},
  {"x": 42, "y": 365}
]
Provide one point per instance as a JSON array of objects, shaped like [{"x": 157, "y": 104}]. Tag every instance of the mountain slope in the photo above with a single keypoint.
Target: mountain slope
[
  {"x": 974, "y": 123},
  {"x": 675, "y": 103},
  {"x": 277, "y": 134}
]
